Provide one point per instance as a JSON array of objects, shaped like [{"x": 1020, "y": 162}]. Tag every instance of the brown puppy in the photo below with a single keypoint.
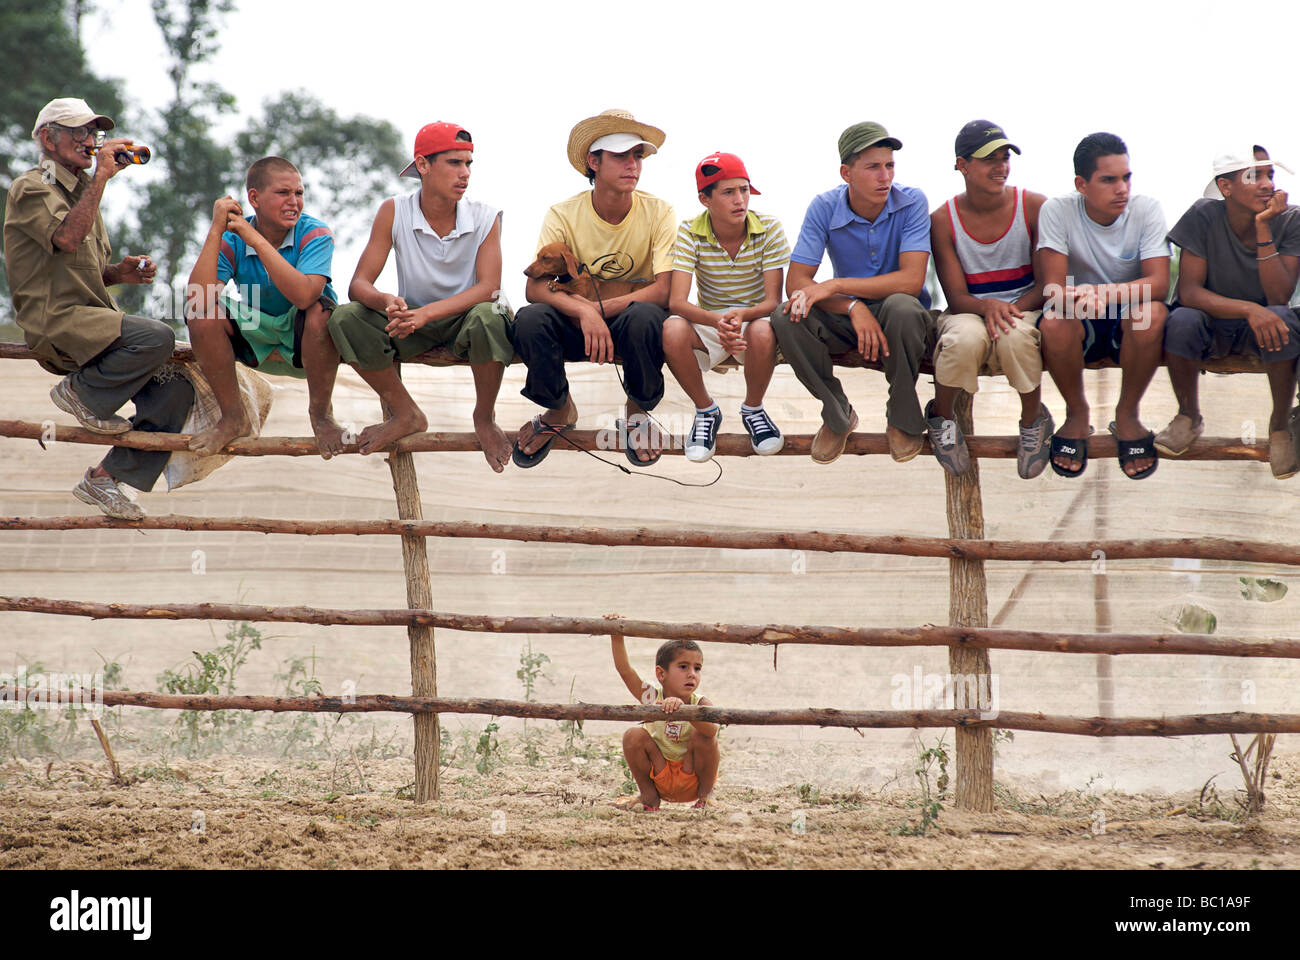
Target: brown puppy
[{"x": 556, "y": 260}]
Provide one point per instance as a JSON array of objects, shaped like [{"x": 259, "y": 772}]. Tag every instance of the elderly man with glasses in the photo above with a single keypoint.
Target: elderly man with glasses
[{"x": 57, "y": 255}]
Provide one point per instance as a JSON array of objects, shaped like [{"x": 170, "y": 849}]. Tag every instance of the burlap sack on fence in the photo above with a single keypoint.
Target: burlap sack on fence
[{"x": 255, "y": 393}]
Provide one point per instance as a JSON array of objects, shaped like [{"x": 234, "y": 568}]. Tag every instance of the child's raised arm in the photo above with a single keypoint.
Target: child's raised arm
[{"x": 631, "y": 679}]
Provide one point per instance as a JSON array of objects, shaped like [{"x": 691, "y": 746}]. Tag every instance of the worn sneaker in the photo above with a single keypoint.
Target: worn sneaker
[
  {"x": 703, "y": 441},
  {"x": 947, "y": 442},
  {"x": 764, "y": 437},
  {"x": 103, "y": 492},
  {"x": 1035, "y": 448},
  {"x": 66, "y": 399}
]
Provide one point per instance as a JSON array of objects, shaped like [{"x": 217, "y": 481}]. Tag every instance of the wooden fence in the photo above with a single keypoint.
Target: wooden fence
[{"x": 967, "y": 636}]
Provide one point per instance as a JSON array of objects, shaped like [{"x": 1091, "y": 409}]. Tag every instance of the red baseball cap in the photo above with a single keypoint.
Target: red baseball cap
[
  {"x": 721, "y": 166},
  {"x": 435, "y": 138}
]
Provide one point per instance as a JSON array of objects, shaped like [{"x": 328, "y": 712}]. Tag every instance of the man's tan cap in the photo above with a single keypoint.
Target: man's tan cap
[
  {"x": 586, "y": 132},
  {"x": 70, "y": 112}
]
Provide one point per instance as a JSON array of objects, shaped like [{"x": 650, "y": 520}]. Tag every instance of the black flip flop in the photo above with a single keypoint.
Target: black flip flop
[
  {"x": 1143, "y": 448},
  {"x": 526, "y": 460},
  {"x": 1071, "y": 448},
  {"x": 648, "y": 425}
]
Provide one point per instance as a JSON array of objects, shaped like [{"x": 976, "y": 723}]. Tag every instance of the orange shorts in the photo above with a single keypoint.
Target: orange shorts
[{"x": 674, "y": 785}]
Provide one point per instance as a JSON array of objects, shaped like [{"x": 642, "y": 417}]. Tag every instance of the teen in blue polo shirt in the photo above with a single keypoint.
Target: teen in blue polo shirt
[
  {"x": 878, "y": 238},
  {"x": 280, "y": 260}
]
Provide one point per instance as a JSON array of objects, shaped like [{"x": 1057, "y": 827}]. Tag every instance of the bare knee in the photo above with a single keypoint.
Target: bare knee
[
  {"x": 1060, "y": 332},
  {"x": 759, "y": 335},
  {"x": 317, "y": 317},
  {"x": 677, "y": 333},
  {"x": 1147, "y": 324},
  {"x": 210, "y": 325}
]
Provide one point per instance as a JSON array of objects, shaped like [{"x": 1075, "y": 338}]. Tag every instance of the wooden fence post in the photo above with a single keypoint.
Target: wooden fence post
[
  {"x": 419, "y": 595},
  {"x": 968, "y": 606}
]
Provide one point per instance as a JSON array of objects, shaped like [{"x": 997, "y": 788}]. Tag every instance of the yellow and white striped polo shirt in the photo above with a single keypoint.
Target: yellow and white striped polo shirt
[{"x": 722, "y": 282}]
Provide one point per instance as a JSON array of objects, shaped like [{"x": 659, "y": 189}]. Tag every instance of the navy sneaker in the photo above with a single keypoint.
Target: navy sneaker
[
  {"x": 764, "y": 437},
  {"x": 703, "y": 441}
]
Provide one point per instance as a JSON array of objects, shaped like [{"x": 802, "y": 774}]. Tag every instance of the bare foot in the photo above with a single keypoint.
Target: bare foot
[
  {"x": 492, "y": 439},
  {"x": 530, "y": 442},
  {"x": 329, "y": 435},
  {"x": 380, "y": 436},
  {"x": 210, "y": 441},
  {"x": 644, "y": 438}
]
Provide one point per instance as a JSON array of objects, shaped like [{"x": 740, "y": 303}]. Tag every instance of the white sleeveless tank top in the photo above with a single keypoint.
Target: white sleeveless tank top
[
  {"x": 430, "y": 267},
  {"x": 1003, "y": 269}
]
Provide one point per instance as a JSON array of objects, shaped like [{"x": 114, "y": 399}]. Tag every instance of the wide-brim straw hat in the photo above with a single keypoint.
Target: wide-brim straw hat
[{"x": 586, "y": 132}]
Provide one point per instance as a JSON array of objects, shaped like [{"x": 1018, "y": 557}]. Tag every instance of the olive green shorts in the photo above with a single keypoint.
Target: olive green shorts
[{"x": 482, "y": 334}]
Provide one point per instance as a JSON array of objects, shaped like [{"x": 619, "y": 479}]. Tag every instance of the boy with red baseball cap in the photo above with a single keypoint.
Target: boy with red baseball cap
[
  {"x": 738, "y": 259},
  {"x": 448, "y": 276}
]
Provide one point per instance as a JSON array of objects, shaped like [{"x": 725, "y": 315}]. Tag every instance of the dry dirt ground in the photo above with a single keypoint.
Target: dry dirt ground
[
  {"x": 251, "y": 813},
  {"x": 261, "y": 810}
]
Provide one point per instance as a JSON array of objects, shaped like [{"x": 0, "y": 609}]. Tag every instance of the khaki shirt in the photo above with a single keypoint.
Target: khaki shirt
[{"x": 62, "y": 304}]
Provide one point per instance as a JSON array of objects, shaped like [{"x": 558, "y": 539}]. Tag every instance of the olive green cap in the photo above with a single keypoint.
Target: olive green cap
[{"x": 866, "y": 134}]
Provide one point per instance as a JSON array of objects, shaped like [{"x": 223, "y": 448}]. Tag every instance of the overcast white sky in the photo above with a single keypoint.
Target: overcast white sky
[{"x": 775, "y": 84}]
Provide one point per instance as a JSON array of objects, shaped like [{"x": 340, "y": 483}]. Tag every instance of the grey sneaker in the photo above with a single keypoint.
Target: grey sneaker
[
  {"x": 103, "y": 492},
  {"x": 947, "y": 442},
  {"x": 66, "y": 399},
  {"x": 1035, "y": 449}
]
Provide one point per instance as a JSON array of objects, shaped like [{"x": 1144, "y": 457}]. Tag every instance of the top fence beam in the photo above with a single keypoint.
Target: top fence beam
[
  {"x": 597, "y": 441},
  {"x": 441, "y": 357}
]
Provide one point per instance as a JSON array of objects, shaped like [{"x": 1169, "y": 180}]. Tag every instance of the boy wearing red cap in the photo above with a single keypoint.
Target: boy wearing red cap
[
  {"x": 738, "y": 258},
  {"x": 448, "y": 253}
]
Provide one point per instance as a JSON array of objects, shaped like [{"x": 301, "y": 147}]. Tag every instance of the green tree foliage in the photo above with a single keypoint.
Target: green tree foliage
[
  {"x": 195, "y": 167},
  {"x": 40, "y": 58},
  {"x": 348, "y": 163}
]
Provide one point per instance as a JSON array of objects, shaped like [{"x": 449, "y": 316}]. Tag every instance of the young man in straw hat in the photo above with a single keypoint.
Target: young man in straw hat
[
  {"x": 617, "y": 233},
  {"x": 878, "y": 237},
  {"x": 448, "y": 253},
  {"x": 56, "y": 252},
  {"x": 1238, "y": 271}
]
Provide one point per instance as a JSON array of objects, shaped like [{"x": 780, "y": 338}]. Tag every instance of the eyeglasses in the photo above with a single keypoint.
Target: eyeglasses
[{"x": 78, "y": 133}]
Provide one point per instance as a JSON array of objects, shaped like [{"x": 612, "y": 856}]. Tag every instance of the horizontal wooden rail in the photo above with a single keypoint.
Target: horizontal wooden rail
[
  {"x": 1194, "y": 725},
  {"x": 442, "y": 357},
  {"x": 597, "y": 441},
  {"x": 1055, "y": 551},
  {"x": 768, "y": 634}
]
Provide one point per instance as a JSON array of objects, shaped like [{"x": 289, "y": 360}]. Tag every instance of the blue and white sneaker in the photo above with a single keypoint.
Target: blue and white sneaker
[
  {"x": 764, "y": 437},
  {"x": 703, "y": 441}
]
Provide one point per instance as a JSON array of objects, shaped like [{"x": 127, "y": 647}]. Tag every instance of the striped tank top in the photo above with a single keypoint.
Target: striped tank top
[{"x": 1003, "y": 269}]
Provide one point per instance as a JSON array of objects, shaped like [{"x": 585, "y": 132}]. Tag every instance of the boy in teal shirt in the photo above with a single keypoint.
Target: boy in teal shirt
[{"x": 281, "y": 260}]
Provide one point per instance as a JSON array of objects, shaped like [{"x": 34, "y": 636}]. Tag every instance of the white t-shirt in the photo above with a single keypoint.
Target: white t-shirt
[
  {"x": 432, "y": 268},
  {"x": 1111, "y": 254}
]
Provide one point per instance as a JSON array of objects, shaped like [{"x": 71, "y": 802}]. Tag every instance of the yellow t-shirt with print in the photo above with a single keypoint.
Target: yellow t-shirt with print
[
  {"x": 636, "y": 249},
  {"x": 672, "y": 736}
]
